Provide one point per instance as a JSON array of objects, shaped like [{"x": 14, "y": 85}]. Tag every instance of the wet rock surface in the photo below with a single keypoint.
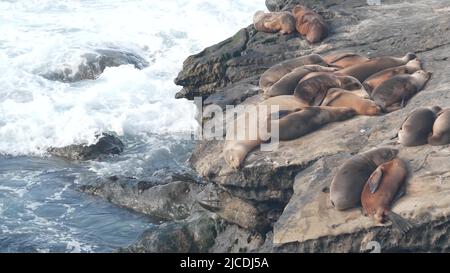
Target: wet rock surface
[
  {"x": 174, "y": 200},
  {"x": 94, "y": 63},
  {"x": 292, "y": 182},
  {"x": 106, "y": 144}
]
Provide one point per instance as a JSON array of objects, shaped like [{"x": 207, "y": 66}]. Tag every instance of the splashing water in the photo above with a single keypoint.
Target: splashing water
[{"x": 39, "y": 208}]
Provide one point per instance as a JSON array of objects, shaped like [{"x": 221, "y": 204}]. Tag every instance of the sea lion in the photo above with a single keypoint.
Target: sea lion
[
  {"x": 344, "y": 59},
  {"x": 286, "y": 85},
  {"x": 364, "y": 70},
  {"x": 392, "y": 94},
  {"x": 293, "y": 122},
  {"x": 314, "y": 74},
  {"x": 337, "y": 97},
  {"x": 272, "y": 22},
  {"x": 441, "y": 129},
  {"x": 276, "y": 72},
  {"x": 418, "y": 126},
  {"x": 313, "y": 90},
  {"x": 309, "y": 24},
  {"x": 348, "y": 182},
  {"x": 381, "y": 190},
  {"x": 235, "y": 150},
  {"x": 376, "y": 79},
  {"x": 306, "y": 120}
]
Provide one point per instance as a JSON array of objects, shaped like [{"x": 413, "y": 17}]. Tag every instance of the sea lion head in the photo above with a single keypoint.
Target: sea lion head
[
  {"x": 298, "y": 10},
  {"x": 346, "y": 113},
  {"x": 422, "y": 75},
  {"x": 236, "y": 156},
  {"x": 409, "y": 56},
  {"x": 436, "y": 109},
  {"x": 374, "y": 110},
  {"x": 416, "y": 64},
  {"x": 384, "y": 154},
  {"x": 350, "y": 83},
  {"x": 258, "y": 15}
]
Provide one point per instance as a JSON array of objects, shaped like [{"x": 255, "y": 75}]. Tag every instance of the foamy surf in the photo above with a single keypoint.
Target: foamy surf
[{"x": 44, "y": 212}]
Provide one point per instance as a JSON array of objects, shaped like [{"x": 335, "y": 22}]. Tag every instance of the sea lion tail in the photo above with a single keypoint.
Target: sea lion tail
[{"x": 399, "y": 222}]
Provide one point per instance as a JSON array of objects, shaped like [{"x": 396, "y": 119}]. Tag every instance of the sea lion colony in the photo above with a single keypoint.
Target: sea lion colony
[{"x": 314, "y": 90}]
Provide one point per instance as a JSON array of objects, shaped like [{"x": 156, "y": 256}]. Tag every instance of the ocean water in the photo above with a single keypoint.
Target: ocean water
[{"x": 40, "y": 208}]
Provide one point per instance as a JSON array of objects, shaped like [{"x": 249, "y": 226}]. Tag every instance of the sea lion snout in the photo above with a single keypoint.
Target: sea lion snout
[
  {"x": 410, "y": 56},
  {"x": 351, "y": 83},
  {"x": 374, "y": 110}
]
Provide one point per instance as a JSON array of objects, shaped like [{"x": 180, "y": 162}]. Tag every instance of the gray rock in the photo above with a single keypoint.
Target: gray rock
[
  {"x": 249, "y": 53},
  {"x": 94, "y": 63},
  {"x": 232, "y": 95},
  {"x": 275, "y": 5},
  {"x": 173, "y": 200},
  {"x": 196, "y": 234},
  {"x": 234, "y": 210},
  {"x": 233, "y": 239},
  {"x": 106, "y": 144},
  {"x": 295, "y": 176},
  {"x": 166, "y": 238}
]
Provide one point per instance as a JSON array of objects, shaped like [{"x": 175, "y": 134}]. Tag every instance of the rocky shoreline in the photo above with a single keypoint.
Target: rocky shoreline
[{"x": 279, "y": 201}]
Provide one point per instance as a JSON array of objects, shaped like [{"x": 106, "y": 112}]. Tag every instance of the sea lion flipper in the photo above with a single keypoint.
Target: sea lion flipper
[
  {"x": 399, "y": 193},
  {"x": 399, "y": 222},
  {"x": 282, "y": 113},
  {"x": 394, "y": 107},
  {"x": 331, "y": 95},
  {"x": 375, "y": 180}
]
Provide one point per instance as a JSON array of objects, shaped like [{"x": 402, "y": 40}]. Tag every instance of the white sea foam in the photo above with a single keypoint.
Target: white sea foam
[{"x": 42, "y": 35}]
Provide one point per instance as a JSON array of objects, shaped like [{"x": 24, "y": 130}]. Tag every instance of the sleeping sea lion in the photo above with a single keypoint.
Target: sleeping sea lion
[
  {"x": 344, "y": 59},
  {"x": 276, "y": 72},
  {"x": 365, "y": 70},
  {"x": 348, "y": 182},
  {"x": 273, "y": 22},
  {"x": 287, "y": 84},
  {"x": 337, "y": 97},
  {"x": 306, "y": 120},
  {"x": 376, "y": 79},
  {"x": 418, "y": 126},
  {"x": 313, "y": 90},
  {"x": 441, "y": 129},
  {"x": 310, "y": 24},
  {"x": 235, "y": 150},
  {"x": 382, "y": 188},
  {"x": 293, "y": 122},
  {"x": 392, "y": 94}
]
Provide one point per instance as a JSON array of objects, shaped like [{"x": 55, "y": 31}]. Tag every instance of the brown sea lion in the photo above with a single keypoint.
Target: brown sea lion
[
  {"x": 287, "y": 84},
  {"x": 272, "y": 22},
  {"x": 376, "y": 79},
  {"x": 392, "y": 94},
  {"x": 365, "y": 70},
  {"x": 337, "y": 97},
  {"x": 418, "y": 126},
  {"x": 276, "y": 72},
  {"x": 348, "y": 182},
  {"x": 382, "y": 188},
  {"x": 292, "y": 123},
  {"x": 344, "y": 59},
  {"x": 236, "y": 149},
  {"x": 314, "y": 74},
  {"x": 304, "y": 121},
  {"x": 441, "y": 129},
  {"x": 310, "y": 24},
  {"x": 313, "y": 90}
]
